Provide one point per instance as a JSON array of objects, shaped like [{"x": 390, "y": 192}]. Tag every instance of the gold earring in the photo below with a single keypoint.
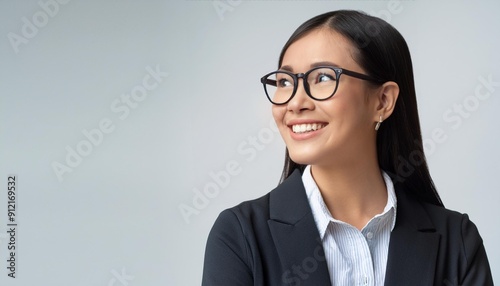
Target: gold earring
[{"x": 378, "y": 123}]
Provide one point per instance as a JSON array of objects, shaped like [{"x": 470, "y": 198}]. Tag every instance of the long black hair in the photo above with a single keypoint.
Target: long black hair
[{"x": 383, "y": 53}]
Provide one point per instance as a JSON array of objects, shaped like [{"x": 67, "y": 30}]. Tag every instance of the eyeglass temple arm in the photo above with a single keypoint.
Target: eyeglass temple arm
[
  {"x": 361, "y": 76},
  {"x": 268, "y": 81}
]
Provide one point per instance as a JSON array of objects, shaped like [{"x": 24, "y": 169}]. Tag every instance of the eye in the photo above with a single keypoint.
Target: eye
[
  {"x": 284, "y": 80},
  {"x": 284, "y": 83},
  {"x": 324, "y": 77}
]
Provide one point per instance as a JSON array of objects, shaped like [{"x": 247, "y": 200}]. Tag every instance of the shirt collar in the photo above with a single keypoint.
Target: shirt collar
[{"x": 322, "y": 215}]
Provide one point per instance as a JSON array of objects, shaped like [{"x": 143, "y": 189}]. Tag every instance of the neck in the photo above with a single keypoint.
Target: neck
[{"x": 353, "y": 193}]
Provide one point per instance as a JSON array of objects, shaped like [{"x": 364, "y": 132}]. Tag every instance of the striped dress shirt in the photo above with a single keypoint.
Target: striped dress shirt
[{"x": 353, "y": 257}]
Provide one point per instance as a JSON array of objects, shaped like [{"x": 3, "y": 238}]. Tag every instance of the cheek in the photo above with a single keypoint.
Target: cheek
[
  {"x": 278, "y": 114},
  {"x": 350, "y": 107}
]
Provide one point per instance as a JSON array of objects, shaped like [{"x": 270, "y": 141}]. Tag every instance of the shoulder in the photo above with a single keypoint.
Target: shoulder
[
  {"x": 442, "y": 217},
  {"x": 460, "y": 254},
  {"x": 248, "y": 221},
  {"x": 426, "y": 215},
  {"x": 287, "y": 202},
  {"x": 444, "y": 221},
  {"x": 461, "y": 249},
  {"x": 241, "y": 248},
  {"x": 254, "y": 211},
  {"x": 451, "y": 222},
  {"x": 230, "y": 248},
  {"x": 232, "y": 254},
  {"x": 456, "y": 228}
]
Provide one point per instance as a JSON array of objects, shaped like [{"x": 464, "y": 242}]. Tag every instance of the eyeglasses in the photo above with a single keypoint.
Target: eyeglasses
[{"x": 320, "y": 83}]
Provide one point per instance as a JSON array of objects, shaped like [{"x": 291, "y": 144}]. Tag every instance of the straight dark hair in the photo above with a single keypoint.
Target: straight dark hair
[{"x": 383, "y": 53}]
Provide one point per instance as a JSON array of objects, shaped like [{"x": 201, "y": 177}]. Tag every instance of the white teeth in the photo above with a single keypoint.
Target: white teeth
[{"x": 302, "y": 128}]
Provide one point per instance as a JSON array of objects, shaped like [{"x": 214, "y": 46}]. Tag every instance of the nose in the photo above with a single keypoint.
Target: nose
[{"x": 300, "y": 101}]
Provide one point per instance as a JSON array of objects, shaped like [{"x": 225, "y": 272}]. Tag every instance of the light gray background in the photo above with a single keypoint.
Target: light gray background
[{"x": 118, "y": 210}]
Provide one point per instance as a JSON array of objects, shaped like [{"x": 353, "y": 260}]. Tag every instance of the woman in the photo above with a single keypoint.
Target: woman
[{"x": 356, "y": 205}]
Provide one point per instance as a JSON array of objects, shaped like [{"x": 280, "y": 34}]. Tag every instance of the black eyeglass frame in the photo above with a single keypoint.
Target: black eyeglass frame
[{"x": 338, "y": 72}]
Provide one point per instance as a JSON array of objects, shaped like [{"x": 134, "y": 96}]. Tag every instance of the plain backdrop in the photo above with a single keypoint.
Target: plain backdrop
[{"x": 169, "y": 94}]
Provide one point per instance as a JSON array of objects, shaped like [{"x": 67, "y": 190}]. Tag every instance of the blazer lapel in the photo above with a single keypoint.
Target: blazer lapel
[
  {"x": 413, "y": 245},
  {"x": 296, "y": 236}
]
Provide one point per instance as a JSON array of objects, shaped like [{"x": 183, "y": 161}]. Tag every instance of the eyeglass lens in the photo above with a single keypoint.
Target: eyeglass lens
[{"x": 321, "y": 83}]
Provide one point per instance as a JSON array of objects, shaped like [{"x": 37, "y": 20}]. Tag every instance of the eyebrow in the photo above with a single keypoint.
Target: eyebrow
[{"x": 313, "y": 65}]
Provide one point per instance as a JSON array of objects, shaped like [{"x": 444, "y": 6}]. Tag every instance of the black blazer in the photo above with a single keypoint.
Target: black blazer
[{"x": 274, "y": 240}]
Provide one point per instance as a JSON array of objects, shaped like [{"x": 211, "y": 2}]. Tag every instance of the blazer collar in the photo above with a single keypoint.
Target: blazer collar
[
  {"x": 296, "y": 236},
  {"x": 413, "y": 246},
  {"x": 288, "y": 202}
]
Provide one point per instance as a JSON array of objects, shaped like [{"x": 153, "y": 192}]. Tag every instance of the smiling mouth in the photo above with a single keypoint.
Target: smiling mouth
[{"x": 304, "y": 128}]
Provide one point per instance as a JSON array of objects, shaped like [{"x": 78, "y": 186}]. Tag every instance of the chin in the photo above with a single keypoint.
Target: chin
[{"x": 302, "y": 158}]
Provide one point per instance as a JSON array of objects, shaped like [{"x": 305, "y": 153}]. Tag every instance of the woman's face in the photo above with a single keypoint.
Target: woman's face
[{"x": 345, "y": 121}]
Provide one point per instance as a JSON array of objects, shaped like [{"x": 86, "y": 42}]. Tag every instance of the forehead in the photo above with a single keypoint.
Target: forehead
[{"x": 320, "y": 45}]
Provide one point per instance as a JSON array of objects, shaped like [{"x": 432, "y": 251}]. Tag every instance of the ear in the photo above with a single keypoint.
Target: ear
[{"x": 386, "y": 100}]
